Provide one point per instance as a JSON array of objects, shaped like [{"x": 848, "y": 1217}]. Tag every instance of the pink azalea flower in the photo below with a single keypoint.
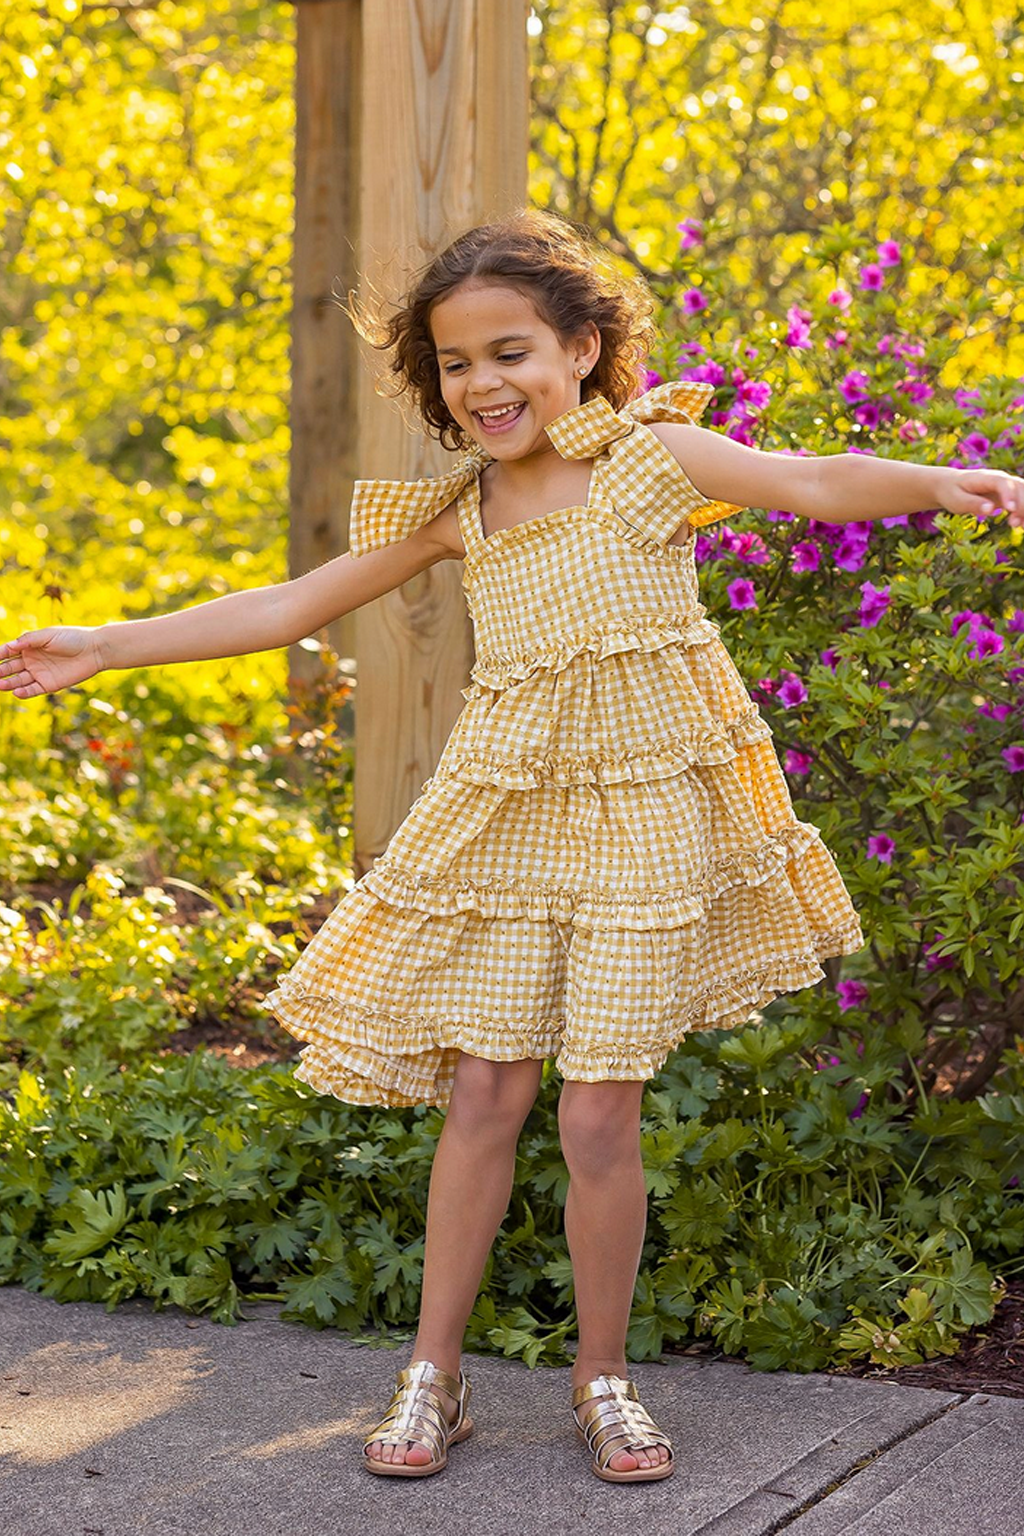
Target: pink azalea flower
[
  {"x": 829, "y": 658},
  {"x": 851, "y": 551},
  {"x": 651, "y": 378},
  {"x": 798, "y": 333},
  {"x": 766, "y": 685},
  {"x": 872, "y": 277},
  {"x": 1014, "y": 758},
  {"x": 854, "y": 386},
  {"x": 798, "y": 763},
  {"x": 973, "y": 620},
  {"x": 806, "y": 556},
  {"x": 868, "y": 413},
  {"x": 873, "y": 605},
  {"x": 1016, "y": 624},
  {"x": 888, "y": 253},
  {"x": 852, "y": 994},
  {"x": 840, "y": 298},
  {"x": 693, "y": 301},
  {"x": 934, "y": 962},
  {"x": 792, "y": 691},
  {"x": 911, "y": 431},
  {"x": 690, "y": 234},
  {"x": 742, "y": 594},
  {"x": 986, "y": 643},
  {"x": 995, "y": 711},
  {"x": 881, "y": 847}
]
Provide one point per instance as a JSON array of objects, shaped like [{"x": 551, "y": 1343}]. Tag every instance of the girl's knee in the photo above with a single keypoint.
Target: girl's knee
[
  {"x": 493, "y": 1094},
  {"x": 599, "y": 1124}
]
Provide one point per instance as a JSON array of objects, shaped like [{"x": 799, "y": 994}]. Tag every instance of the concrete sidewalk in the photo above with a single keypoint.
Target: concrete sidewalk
[{"x": 138, "y": 1423}]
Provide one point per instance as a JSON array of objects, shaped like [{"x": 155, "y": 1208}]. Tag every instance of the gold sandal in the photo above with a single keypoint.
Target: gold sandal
[
  {"x": 620, "y": 1423},
  {"x": 416, "y": 1413}
]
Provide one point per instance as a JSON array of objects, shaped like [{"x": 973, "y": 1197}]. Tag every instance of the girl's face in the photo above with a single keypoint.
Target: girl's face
[{"x": 494, "y": 351}]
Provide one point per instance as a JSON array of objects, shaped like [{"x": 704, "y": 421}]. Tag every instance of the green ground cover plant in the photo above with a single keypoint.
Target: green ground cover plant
[{"x": 787, "y": 1224}]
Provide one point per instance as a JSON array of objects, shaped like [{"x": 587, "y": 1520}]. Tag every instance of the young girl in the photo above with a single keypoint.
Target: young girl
[{"x": 606, "y": 856}]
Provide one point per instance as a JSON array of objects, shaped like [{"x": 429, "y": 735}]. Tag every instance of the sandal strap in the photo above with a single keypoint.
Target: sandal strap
[
  {"x": 416, "y": 1413},
  {"x": 619, "y": 1422}
]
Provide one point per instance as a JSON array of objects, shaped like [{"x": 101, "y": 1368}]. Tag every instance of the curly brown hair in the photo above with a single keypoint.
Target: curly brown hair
[{"x": 564, "y": 273}]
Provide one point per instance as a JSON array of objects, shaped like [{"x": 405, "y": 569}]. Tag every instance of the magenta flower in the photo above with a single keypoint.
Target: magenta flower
[
  {"x": 873, "y": 603},
  {"x": 888, "y": 253},
  {"x": 852, "y": 549},
  {"x": 881, "y": 847},
  {"x": 974, "y": 621},
  {"x": 858, "y": 1108},
  {"x": 872, "y": 278},
  {"x": 792, "y": 691},
  {"x": 935, "y": 962},
  {"x": 799, "y": 331},
  {"x": 1016, "y": 624},
  {"x": 829, "y": 658},
  {"x": 852, "y": 994},
  {"x": 690, "y": 234},
  {"x": 854, "y": 386},
  {"x": 995, "y": 711},
  {"x": 693, "y": 301},
  {"x": 742, "y": 594},
  {"x": 651, "y": 378},
  {"x": 798, "y": 763},
  {"x": 806, "y": 556},
  {"x": 840, "y": 298},
  {"x": 986, "y": 643},
  {"x": 1014, "y": 758},
  {"x": 765, "y": 685}
]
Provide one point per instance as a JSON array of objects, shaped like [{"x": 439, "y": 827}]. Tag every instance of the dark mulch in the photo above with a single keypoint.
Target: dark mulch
[{"x": 990, "y": 1357}]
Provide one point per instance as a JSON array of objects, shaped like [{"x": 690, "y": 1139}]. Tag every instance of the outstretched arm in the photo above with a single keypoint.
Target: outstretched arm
[
  {"x": 260, "y": 619},
  {"x": 841, "y": 488}
]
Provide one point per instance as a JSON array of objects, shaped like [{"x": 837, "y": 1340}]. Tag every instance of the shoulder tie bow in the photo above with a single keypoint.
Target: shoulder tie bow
[{"x": 384, "y": 511}]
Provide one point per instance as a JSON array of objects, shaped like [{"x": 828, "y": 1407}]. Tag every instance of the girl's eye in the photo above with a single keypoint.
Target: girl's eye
[{"x": 503, "y": 357}]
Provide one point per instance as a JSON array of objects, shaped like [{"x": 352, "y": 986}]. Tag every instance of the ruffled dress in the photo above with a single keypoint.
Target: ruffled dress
[{"x": 606, "y": 856}]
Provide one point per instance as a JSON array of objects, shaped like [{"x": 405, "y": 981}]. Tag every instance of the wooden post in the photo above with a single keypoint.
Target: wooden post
[{"x": 445, "y": 122}]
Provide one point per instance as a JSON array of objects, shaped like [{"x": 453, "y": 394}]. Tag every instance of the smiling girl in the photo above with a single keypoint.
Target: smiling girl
[{"x": 606, "y": 857}]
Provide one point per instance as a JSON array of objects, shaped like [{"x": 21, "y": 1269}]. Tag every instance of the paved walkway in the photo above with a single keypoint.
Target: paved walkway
[{"x": 143, "y": 1423}]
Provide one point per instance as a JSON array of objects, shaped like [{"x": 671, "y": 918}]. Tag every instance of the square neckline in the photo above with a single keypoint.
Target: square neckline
[{"x": 475, "y": 500}]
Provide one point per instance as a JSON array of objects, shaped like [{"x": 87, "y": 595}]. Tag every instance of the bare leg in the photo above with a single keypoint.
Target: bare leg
[
  {"x": 605, "y": 1222},
  {"x": 470, "y": 1185}
]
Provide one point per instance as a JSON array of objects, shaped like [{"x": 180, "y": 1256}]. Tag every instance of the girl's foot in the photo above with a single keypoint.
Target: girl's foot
[
  {"x": 414, "y": 1453},
  {"x": 622, "y": 1461}
]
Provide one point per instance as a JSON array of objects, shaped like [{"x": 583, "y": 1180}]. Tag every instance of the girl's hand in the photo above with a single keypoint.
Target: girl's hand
[
  {"x": 973, "y": 491},
  {"x": 46, "y": 660}
]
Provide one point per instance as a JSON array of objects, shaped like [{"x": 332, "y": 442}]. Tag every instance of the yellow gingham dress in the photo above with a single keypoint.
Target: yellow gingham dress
[{"x": 606, "y": 856}]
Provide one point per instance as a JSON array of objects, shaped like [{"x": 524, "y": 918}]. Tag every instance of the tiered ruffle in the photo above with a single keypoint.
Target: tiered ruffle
[
  {"x": 499, "y": 669},
  {"x": 605, "y": 860}
]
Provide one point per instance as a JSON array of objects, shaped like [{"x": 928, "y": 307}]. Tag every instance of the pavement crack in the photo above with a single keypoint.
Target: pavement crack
[{"x": 858, "y": 1466}]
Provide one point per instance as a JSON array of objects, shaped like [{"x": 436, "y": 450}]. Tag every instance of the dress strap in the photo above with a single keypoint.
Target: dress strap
[{"x": 467, "y": 509}]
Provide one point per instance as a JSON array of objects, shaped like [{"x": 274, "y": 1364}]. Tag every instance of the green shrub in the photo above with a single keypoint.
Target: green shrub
[{"x": 801, "y": 1213}]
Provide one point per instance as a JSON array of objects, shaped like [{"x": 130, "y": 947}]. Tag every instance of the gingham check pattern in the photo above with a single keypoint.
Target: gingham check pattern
[{"x": 606, "y": 855}]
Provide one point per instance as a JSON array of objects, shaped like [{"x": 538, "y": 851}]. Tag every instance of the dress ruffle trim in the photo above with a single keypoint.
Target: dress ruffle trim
[
  {"x": 412, "y": 1060},
  {"x": 701, "y": 745},
  {"x": 495, "y": 670},
  {"x": 442, "y": 897}
]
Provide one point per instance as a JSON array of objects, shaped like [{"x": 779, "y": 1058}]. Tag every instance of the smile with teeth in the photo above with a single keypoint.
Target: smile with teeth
[{"x": 497, "y": 412}]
